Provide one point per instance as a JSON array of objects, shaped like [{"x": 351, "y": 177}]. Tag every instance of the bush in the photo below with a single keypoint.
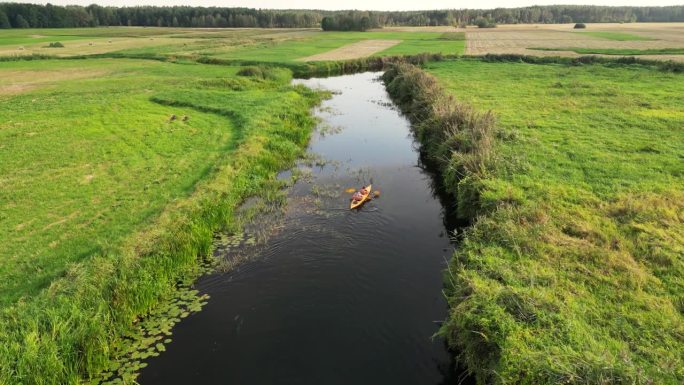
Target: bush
[
  {"x": 580, "y": 26},
  {"x": 55, "y": 45},
  {"x": 482, "y": 22},
  {"x": 260, "y": 72}
]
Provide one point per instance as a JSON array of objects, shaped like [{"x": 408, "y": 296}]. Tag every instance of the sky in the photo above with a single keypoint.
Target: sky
[{"x": 385, "y": 5}]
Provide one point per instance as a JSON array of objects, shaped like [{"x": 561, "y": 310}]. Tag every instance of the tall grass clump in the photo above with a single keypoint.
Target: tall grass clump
[
  {"x": 455, "y": 136},
  {"x": 260, "y": 72}
]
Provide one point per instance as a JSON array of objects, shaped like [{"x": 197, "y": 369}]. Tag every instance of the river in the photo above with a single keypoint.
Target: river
[{"x": 335, "y": 296}]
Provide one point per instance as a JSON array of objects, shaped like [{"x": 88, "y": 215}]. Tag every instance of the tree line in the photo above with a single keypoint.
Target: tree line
[
  {"x": 350, "y": 21},
  {"x": 17, "y": 15}
]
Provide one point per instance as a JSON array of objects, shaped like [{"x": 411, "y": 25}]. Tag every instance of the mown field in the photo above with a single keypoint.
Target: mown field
[
  {"x": 116, "y": 171},
  {"x": 269, "y": 45},
  {"x": 656, "y": 40},
  {"x": 573, "y": 271}
]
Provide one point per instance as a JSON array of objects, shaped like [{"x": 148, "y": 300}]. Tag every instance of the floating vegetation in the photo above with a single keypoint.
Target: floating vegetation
[
  {"x": 149, "y": 337},
  {"x": 302, "y": 173},
  {"x": 312, "y": 160},
  {"x": 261, "y": 219},
  {"x": 326, "y": 191},
  {"x": 326, "y": 129},
  {"x": 328, "y": 110},
  {"x": 384, "y": 104}
]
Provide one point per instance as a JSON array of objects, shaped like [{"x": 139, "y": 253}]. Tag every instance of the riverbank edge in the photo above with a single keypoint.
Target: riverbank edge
[
  {"x": 68, "y": 333},
  {"x": 458, "y": 140}
]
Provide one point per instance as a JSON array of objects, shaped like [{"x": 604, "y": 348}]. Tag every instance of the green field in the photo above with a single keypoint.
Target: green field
[
  {"x": 319, "y": 42},
  {"x": 75, "y": 188},
  {"x": 618, "y": 51},
  {"x": 574, "y": 272},
  {"x": 618, "y": 36}
]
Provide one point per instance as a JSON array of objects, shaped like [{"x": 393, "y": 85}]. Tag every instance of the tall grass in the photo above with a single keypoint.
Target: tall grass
[
  {"x": 455, "y": 136},
  {"x": 572, "y": 271}
]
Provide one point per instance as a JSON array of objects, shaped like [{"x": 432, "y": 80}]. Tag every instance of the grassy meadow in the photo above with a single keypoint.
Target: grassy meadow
[
  {"x": 619, "y": 51},
  {"x": 115, "y": 175},
  {"x": 572, "y": 271},
  {"x": 122, "y": 154},
  {"x": 618, "y": 36}
]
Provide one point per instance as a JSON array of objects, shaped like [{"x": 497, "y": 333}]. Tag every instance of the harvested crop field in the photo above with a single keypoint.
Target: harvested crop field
[
  {"x": 355, "y": 50},
  {"x": 90, "y": 46},
  {"x": 524, "y": 39}
]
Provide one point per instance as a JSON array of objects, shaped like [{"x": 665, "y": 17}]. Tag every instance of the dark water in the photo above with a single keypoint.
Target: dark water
[{"x": 335, "y": 297}]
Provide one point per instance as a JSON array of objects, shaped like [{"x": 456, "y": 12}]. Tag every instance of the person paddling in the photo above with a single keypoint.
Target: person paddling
[{"x": 359, "y": 195}]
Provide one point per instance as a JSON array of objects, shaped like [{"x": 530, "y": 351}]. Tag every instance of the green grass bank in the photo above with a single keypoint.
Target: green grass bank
[
  {"x": 572, "y": 271},
  {"x": 116, "y": 175}
]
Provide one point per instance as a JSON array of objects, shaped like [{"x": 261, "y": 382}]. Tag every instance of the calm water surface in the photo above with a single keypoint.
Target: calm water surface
[{"x": 334, "y": 297}]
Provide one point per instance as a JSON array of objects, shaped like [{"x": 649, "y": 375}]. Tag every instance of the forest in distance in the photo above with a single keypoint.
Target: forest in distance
[{"x": 19, "y": 15}]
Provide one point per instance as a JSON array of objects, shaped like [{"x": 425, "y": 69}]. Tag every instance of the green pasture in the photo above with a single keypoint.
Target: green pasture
[
  {"x": 574, "y": 272},
  {"x": 89, "y": 151},
  {"x": 618, "y": 36},
  {"x": 115, "y": 174},
  {"x": 618, "y": 51}
]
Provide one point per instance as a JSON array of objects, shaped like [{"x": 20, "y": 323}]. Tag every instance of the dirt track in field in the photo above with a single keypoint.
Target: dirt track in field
[
  {"x": 519, "y": 39},
  {"x": 353, "y": 51}
]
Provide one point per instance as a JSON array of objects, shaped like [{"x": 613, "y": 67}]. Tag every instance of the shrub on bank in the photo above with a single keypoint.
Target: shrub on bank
[{"x": 260, "y": 72}]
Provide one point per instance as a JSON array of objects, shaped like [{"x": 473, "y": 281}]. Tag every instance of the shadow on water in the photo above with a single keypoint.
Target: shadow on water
[{"x": 333, "y": 296}]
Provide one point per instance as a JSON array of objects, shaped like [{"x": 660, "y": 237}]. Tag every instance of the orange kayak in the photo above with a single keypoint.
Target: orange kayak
[{"x": 355, "y": 204}]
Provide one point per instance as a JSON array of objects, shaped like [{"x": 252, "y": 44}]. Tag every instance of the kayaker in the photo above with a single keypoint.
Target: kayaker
[{"x": 357, "y": 196}]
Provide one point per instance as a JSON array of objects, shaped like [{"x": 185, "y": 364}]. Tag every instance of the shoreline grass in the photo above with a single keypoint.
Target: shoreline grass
[
  {"x": 66, "y": 332},
  {"x": 572, "y": 270}
]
